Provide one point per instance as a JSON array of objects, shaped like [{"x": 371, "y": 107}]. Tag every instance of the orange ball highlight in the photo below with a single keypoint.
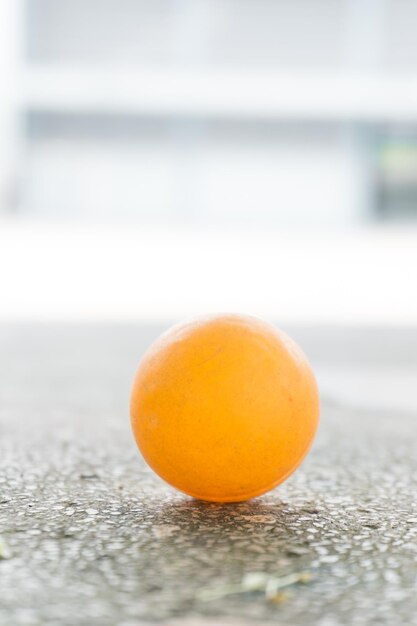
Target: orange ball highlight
[{"x": 224, "y": 408}]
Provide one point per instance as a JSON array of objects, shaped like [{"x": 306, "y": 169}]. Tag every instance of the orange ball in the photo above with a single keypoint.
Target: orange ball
[{"x": 224, "y": 408}]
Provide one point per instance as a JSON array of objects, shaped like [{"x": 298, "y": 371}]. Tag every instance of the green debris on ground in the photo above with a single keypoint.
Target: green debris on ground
[
  {"x": 4, "y": 550},
  {"x": 256, "y": 582}
]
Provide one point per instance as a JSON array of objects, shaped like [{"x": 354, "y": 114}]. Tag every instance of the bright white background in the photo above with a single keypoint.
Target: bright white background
[
  {"x": 164, "y": 159},
  {"x": 76, "y": 272}
]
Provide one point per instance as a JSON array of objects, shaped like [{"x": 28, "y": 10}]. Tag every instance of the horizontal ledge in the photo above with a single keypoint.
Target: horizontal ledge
[{"x": 221, "y": 94}]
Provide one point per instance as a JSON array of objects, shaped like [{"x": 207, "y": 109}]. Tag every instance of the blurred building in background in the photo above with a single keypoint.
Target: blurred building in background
[
  {"x": 259, "y": 114},
  {"x": 275, "y": 111}
]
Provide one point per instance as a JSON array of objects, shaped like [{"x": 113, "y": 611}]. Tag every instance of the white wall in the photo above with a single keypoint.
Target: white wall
[{"x": 203, "y": 173}]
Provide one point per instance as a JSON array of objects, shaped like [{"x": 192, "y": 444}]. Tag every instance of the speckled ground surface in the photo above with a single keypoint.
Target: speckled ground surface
[{"x": 89, "y": 536}]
